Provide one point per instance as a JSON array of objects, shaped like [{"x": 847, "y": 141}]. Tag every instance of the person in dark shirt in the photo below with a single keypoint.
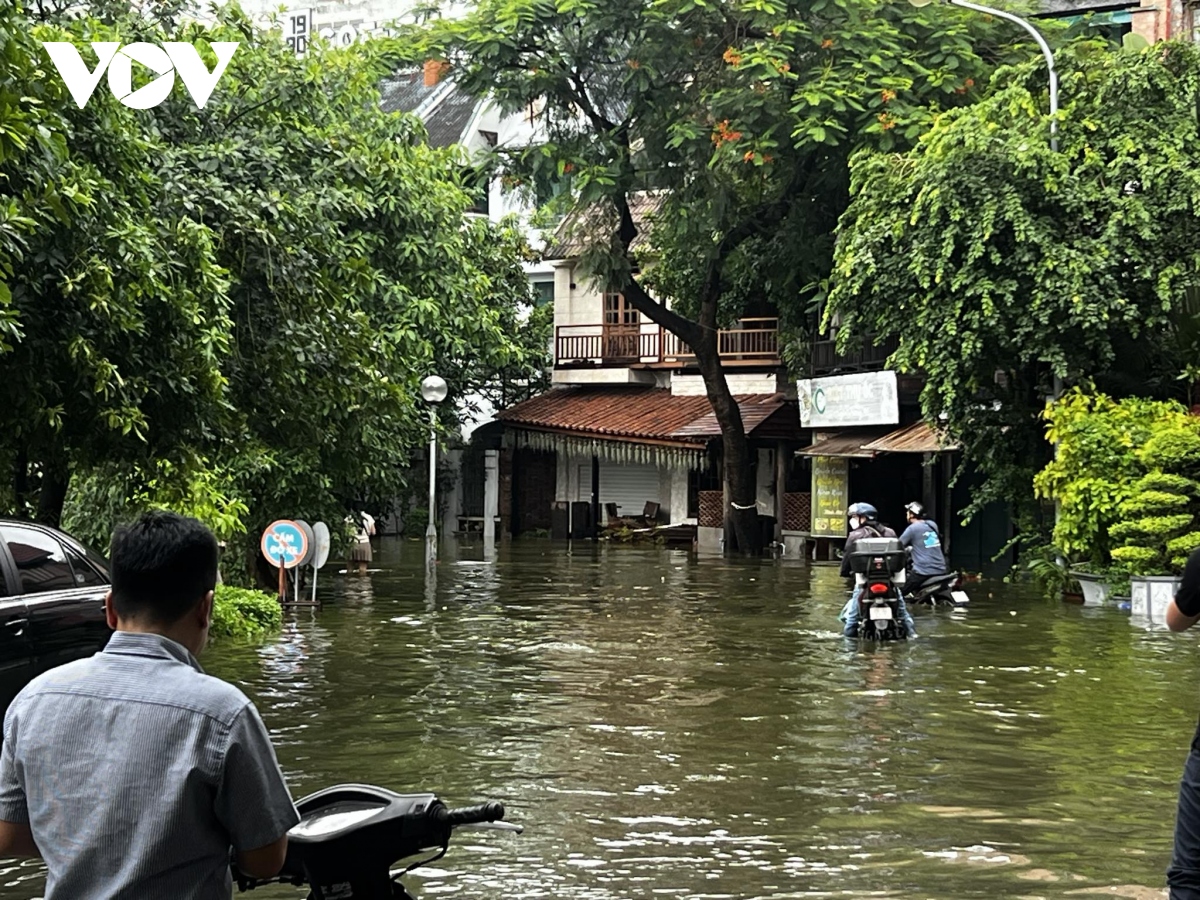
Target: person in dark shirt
[
  {"x": 863, "y": 521},
  {"x": 1183, "y": 877}
]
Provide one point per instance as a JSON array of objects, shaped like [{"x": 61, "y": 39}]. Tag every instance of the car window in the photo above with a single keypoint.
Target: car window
[
  {"x": 85, "y": 574},
  {"x": 41, "y": 562}
]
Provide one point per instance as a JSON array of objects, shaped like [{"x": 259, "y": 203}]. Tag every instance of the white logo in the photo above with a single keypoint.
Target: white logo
[{"x": 173, "y": 57}]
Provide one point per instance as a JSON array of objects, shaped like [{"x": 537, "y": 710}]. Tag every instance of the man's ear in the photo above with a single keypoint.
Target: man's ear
[
  {"x": 204, "y": 610},
  {"x": 110, "y": 611}
]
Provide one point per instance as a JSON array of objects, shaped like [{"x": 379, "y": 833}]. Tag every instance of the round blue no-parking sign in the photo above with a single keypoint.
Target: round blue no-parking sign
[{"x": 284, "y": 543}]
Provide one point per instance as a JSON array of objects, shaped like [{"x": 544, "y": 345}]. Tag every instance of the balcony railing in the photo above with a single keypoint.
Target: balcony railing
[
  {"x": 754, "y": 341},
  {"x": 868, "y": 356}
]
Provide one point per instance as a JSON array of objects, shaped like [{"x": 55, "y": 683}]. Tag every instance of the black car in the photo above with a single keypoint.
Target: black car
[{"x": 51, "y": 603}]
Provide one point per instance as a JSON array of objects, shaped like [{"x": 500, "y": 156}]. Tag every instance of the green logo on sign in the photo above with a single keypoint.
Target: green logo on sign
[{"x": 819, "y": 400}]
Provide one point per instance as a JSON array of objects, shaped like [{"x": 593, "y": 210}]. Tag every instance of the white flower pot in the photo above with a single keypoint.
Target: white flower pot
[
  {"x": 1095, "y": 590},
  {"x": 1150, "y": 595}
]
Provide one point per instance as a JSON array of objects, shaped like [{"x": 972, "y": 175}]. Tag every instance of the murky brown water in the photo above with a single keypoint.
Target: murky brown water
[{"x": 670, "y": 727}]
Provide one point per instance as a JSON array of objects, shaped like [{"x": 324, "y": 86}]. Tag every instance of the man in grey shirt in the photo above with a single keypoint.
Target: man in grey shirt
[
  {"x": 924, "y": 539},
  {"x": 133, "y": 773}
]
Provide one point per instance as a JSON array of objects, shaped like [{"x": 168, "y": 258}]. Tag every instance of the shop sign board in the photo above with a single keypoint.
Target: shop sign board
[
  {"x": 830, "y": 495},
  {"x": 846, "y": 401}
]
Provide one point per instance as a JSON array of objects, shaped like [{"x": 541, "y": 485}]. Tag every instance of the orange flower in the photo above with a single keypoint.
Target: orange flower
[
  {"x": 886, "y": 121},
  {"x": 888, "y": 95},
  {"x": 768, "y": 158},
  {"x": 749, "y": 156},
  {"x": 786, "y": 67},
  {"x": 568, "y": 167},
  {"x": 731, "y": 56},
  {"x": 634, "y": 64},
  {"x": 970, "y": 82},
  {"x": 826, "y": 44}
]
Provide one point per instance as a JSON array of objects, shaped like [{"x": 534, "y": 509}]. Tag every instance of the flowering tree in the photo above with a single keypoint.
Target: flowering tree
[{"x": 742, "y": 114}]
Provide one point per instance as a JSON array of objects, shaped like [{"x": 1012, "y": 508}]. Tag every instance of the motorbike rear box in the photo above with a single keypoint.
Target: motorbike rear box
[{"x": 877, "y": 556}]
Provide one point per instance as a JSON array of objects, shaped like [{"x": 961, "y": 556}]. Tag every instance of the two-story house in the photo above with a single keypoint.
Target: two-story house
[{"x": 628, "y": 431}]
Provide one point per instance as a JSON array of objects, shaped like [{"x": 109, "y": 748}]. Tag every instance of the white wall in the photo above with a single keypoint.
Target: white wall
[
  {"x": 765, "y": 494},
  {"x": 739, "y": 383}
]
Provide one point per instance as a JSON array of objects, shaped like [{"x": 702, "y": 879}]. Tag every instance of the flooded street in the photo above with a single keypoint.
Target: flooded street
[{"x": 670, "y": 727}]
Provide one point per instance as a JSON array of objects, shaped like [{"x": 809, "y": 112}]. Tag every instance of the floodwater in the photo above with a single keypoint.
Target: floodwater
[{"x": 683, "y": 728}]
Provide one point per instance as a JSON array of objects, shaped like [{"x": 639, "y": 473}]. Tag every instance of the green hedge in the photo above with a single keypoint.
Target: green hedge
[{"x": 245, "y": 614}]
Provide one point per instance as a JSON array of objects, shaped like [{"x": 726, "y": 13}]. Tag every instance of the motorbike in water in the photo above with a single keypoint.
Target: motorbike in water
[
  {"x": 878, "y": 567},
  {"x": 350, "y": 835},
  {"x": 939, "y": 590}
]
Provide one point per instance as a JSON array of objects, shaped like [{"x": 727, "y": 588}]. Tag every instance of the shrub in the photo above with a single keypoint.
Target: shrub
[
  {"x": 244, "y": 614},
  {"x": 1157, "y": 525}
]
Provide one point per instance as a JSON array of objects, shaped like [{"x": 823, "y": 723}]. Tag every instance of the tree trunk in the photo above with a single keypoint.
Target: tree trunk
[
  {"x": 738, "y": 454},
  {"x": 53, "y": 494}
]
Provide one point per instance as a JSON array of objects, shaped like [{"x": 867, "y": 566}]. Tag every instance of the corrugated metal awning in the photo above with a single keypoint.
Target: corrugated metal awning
[
  {"x": 916, "y": 438},
  {"x": 844, "y": 444}
]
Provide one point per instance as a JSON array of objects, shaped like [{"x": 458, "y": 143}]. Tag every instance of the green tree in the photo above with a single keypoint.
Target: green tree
[
  {"x": 115, "y": 311},
  {"x": 233, "y": 307},
  {"x": 742, "y": 114},
  {"x": 1000, "y": 263}
]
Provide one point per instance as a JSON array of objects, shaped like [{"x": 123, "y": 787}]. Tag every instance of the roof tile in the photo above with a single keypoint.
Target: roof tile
[{"x": 636, "y": 413}]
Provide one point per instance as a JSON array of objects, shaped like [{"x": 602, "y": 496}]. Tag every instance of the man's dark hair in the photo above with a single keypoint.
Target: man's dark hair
[{"x": 162, "y": 564}]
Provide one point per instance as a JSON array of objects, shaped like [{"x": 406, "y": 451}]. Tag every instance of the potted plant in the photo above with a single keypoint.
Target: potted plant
[{"x": 1156, "y": 533}]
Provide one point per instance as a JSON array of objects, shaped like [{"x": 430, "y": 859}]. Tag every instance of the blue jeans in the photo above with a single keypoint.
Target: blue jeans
[
  {"x": 1183, "y": 876},
  {"x": 849, "y": 616}
]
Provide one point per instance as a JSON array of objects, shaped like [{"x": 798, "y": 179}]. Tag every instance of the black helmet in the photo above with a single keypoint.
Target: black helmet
[
  {"x": 864, "y": 511},
  {"x": 916, "y": 509}
]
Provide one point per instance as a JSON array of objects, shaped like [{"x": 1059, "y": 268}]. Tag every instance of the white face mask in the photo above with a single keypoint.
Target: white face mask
[{"x": 855, "y": 522}]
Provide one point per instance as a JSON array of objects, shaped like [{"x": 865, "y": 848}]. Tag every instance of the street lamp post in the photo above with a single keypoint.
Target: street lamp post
[
  {"x": 1041, "y": 42},
  {"x": 433, "y": 389},
  {"x": 1049, "y": 57}
]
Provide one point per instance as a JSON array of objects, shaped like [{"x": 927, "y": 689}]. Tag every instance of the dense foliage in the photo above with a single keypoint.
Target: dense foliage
[
  {"x": 1126, "y": 477},
  {"x": 740, "y": 115},
  {"x": 1000, "y": 263},
  {"x": 229, "y": 310},
  {"x": 244, "y": 614}
]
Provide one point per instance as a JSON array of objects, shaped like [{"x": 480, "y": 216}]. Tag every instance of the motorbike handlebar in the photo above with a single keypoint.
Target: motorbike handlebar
[{"x": 492, "y": 811}]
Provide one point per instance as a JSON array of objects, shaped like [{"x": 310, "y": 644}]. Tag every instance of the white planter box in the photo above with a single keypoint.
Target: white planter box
[
  {"x": 1150, "y": 595},
  {"x": 1095, "y": 591}
]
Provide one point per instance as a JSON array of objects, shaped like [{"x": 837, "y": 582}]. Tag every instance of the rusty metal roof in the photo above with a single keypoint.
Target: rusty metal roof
[
  {"x": 866, "y": 444},
  {"x": 631, "y": 413},
  {"x": 596, "y": 225},
  {"x": 844, "y": 443},
  {"x": 756, "y": 409},
  {"x": 916, "y": 438}
]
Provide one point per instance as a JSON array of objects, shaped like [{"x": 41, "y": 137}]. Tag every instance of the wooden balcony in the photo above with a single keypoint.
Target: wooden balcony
[
  {"x": 754, "y": 342},
  {"x": 868, "y": 356}
]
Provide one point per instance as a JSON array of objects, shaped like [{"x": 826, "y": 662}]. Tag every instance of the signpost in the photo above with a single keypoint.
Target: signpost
[
  {"x": 308, "y": 554},
  {"x": 284, "y": 543},
  {"x": 320, "y": 553},
  {"x": 830, "y": 496}
]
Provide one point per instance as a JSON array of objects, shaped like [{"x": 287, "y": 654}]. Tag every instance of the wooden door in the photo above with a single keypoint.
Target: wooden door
[{"x": 622, "y": 325}]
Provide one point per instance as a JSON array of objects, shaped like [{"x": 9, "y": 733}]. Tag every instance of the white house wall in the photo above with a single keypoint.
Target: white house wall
[
  {"x": 765, "y": 478},
  {"x": 739, "y": 383},
  {"x": 630, "y": 486}
]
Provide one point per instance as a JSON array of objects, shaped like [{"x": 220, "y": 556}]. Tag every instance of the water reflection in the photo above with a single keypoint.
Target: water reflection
[{"x": 701, "y": 729}]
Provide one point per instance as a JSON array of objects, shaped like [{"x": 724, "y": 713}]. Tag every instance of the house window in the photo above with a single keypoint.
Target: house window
[
  {"x": 480, "y": 188},
  {"x": 618, "y": 311},
  {"x": 543, "y": 292}
]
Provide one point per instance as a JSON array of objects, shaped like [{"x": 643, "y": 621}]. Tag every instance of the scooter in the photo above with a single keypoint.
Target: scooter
[
  {"x": 350, "y": 835},
  {"x": 940, "y": 590},
  {"x": 878, "y": 567}
]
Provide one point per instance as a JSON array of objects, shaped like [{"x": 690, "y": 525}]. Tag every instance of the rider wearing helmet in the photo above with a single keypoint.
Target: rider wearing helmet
[
  {"x": 924, "y": 539},
  {"x": 863, "y": 522}
]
